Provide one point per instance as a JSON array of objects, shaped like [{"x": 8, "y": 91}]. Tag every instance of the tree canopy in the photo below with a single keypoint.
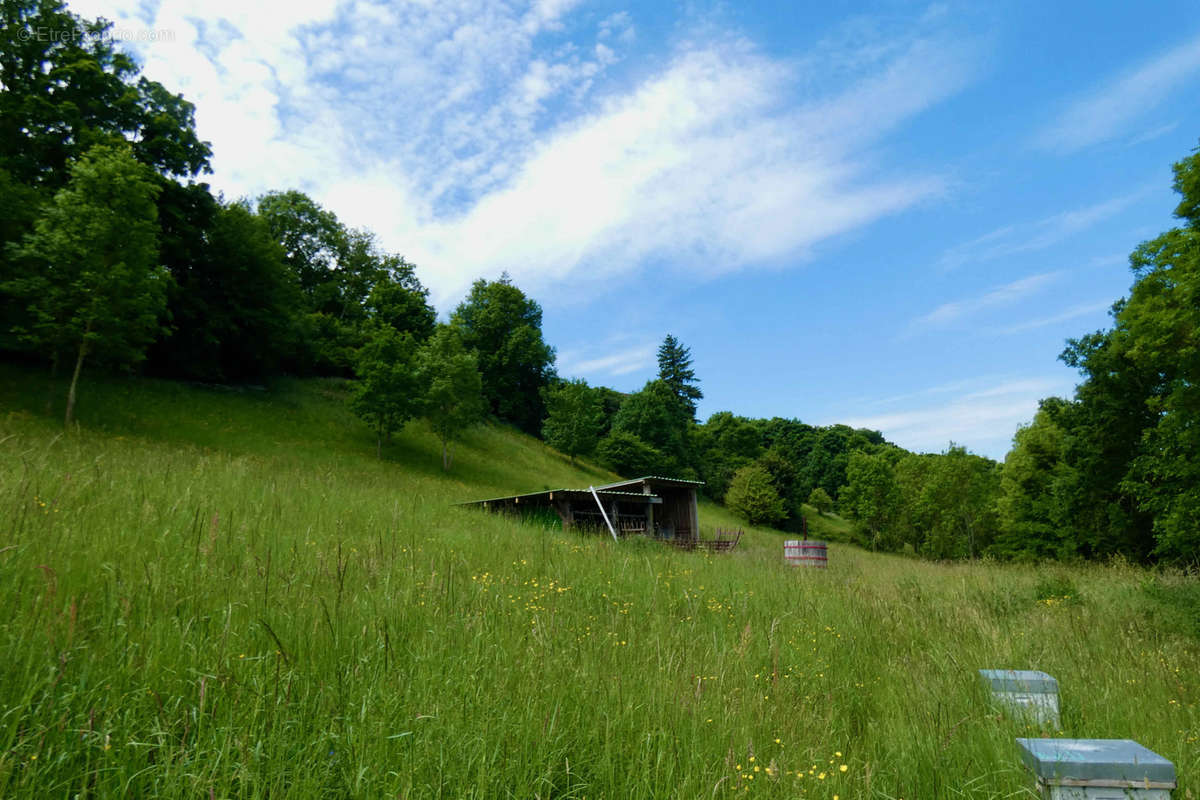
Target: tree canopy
[
  {"x": 752, "y": 496},
  {"x": 574, "y": 418},
  {"x": 454, "y": 395},
  {"x": 675, "y": 370},
  {"x": 504, "y": 329},
  {"x": 93, "y": 286},
  {"x": 67, "y": 88},
  {"x": 389, "y": 391}
]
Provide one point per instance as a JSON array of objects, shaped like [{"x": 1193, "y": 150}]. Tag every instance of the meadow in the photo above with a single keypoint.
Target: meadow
[{"x": 212, "y": 593}]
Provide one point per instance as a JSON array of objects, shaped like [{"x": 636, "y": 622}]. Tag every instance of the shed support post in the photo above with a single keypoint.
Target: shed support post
[{"x": 604, "y": 513}]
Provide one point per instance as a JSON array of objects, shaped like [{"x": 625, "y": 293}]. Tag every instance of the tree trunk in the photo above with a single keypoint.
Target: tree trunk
[
  {"x": 50, "y": 385},
  {"x": 75, "y": 377},
  {"x": 445, "y": 456},
  {"x": 379, "y": 444}
]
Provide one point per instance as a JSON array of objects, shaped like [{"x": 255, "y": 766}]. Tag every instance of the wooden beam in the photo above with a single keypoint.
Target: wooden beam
[{"x": 600, "y": 506}]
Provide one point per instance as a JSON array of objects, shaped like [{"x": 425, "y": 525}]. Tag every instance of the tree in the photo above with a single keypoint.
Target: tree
[
  {"x": 871, "y": 498},
  {"x": 752, "y": 496},
  {"x": 657, "y": 417},
  {"x": 504, "y": 328},
  {"x": 819, "y": 499},
  {"x": 20, "y": 206},
  {"x": 95, "y": 287},
  {"x": 390, "y": 390},
  {"x": 629, "y": 456},
  {"x": 574, "y": 418},
  {"x": 315, "y": 245},
  {"x": 454, "y": 399},
  {"x": 398, "y": 299},
  {"x": 722, "y": 445},
  {"x": 962, "y": 487},
  {"x": 313, "y": 241},
  {"x": 1158, "y": 329},
  {"x": 1103, "y": 428},
  {"x": 1031, "y": 518},
  {"x": 828, "y": 455},
  {"x": 675, "y": 370},
  {"x": 67, "y": 88},
  {"x": 785, "y": 479},
  {"x": 233, "y": 304}
]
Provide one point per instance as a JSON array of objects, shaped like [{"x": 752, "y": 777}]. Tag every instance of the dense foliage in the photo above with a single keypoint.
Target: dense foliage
[
  {"x": 504, "y": 328},
  {"x": 574, "y": 418},
  {"x": 88, "y": 282},
  {"x": 1114, "y": 469}
]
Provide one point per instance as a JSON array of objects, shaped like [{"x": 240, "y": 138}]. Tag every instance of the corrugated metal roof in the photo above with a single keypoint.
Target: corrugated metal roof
[
  {"x": 606, "y": 489},
  {"x": 660, "y": 478},
  {"x": 599, "y": 490}
]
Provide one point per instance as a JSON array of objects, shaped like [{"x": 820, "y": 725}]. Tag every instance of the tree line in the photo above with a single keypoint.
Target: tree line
[
  {"x": 114, "y": 253},
  {"x": 1111, "y": 471}
]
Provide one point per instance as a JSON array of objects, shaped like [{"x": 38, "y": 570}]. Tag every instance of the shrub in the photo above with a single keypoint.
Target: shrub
[
  {"x": 752, "y": 495},
  {"x": 820, "y": 500}
]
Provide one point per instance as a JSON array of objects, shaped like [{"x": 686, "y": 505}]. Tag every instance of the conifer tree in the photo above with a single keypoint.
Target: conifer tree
[{"x": 675, "y": 370}]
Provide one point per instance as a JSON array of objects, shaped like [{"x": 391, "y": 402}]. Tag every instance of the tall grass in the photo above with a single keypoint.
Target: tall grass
[{"x": 226, "y": 595}]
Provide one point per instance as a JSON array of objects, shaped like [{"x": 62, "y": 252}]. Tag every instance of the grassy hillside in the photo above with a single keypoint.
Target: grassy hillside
[{"x": 224, "y": 594}]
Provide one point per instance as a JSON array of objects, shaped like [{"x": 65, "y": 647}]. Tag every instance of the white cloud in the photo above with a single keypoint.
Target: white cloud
[
  {"x": 1014, "y": 239},
  {"x": 1153, "y": 133},
  {"x": 478, "y": 137},
  {"x": 983, "y": 419},
  {"x": 618, "y": 25},
  {"x": 1074, "y": 312},
  {"x": 1111, "y": 109},
  {"x": 619, "y": 363},
  {"x": 1009, "y": 293},
  {"x": 622, "y": 352}
]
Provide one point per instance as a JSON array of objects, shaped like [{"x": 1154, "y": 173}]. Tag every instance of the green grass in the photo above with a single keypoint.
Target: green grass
[{"x": 224, "y": 594}]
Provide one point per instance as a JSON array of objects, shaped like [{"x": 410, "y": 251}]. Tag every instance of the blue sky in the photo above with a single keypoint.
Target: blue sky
[{"x": 886, "y": 214}]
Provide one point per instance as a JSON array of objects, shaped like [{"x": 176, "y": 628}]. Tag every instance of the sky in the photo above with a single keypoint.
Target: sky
[{"x": 889, "y": 215}]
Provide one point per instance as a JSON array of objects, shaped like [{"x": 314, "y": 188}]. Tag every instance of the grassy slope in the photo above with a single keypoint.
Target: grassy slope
[{"x": 224, "y": 594}]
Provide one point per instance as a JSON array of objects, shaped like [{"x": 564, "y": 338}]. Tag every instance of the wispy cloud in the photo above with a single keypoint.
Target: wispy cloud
[
  {"x": 983, "y": 419},
  {"x": 1112, "y": 108},
  {"x": 1009, "y": 293},
  {"x": 1015, "y": 239},
  {"x": 481, "y": 136},
  {"x": 1153, "y": 133},
  {"x": 1087, "y": 309},
  {"x": 625, "y": 360},
  {"x": 616, "y": 355}
]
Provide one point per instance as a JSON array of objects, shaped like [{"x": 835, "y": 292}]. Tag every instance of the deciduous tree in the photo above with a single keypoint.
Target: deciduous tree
[
  {"x": 871, "y": 498},
  {"x": 390, "y": 390},
  {"x": 819, "y": 499},
  {"x": 753, "y": 496},
  {"x": 629, "y": 456},
  {"x": 454, "y": 398},
  {"x": 504, "y": 328},
  {"x": 656, "y": 416},
  {"x": 67, "y": 88},
  {"x": 574, "y": 418},
  {"x": 93, "y": 286}
]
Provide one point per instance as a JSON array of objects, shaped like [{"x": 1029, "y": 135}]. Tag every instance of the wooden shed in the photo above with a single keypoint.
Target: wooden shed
[{"x": 665, "y": 508}]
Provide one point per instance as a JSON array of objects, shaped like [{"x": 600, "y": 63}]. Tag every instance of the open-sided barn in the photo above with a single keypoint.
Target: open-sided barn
[{"x": 665, "y": 508}]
